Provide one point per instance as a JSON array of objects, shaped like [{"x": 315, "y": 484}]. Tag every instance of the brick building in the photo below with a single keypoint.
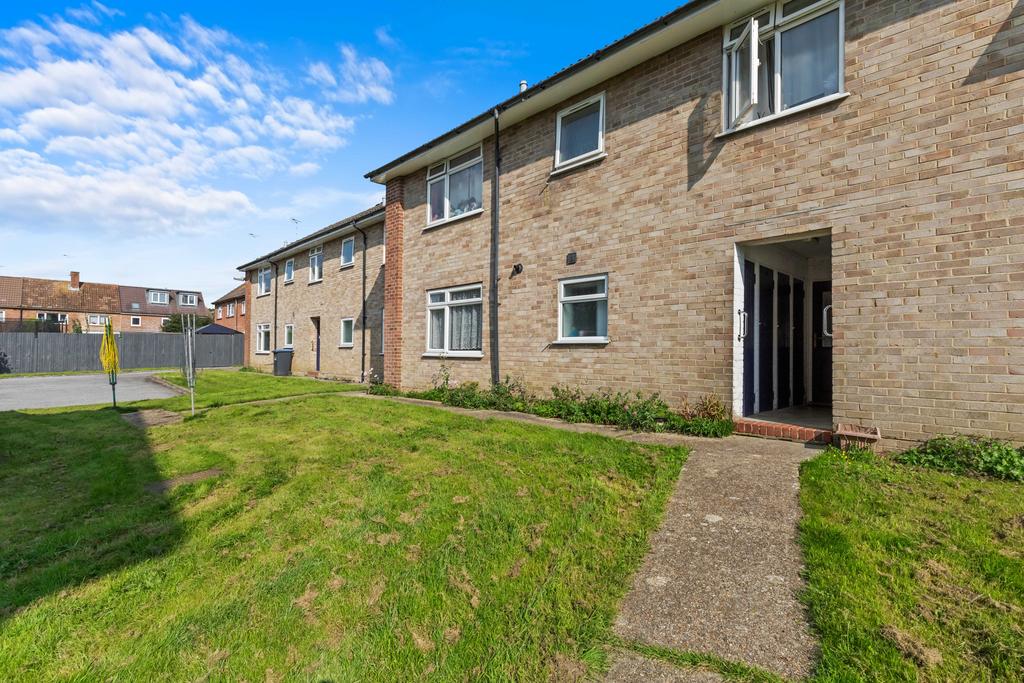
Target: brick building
[
  {"x": 810, "y": 208},
  {"x": 230, "y": 309},
  {"x": 75, "y": 304},
  {"x": 323, "y": 297}
]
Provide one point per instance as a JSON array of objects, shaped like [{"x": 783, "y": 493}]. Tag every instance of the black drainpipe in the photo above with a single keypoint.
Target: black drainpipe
[
  {"x": 275, "y": 285},
  {"x": 495, "y": 223},
  {"x": 362, "y": 341}
]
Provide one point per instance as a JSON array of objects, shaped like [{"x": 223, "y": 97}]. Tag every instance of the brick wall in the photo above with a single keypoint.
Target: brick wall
[
  {"x": 337, "y": 296},
  {"x": 394, "y": 283},
  {"x": 916, "y": 175}
]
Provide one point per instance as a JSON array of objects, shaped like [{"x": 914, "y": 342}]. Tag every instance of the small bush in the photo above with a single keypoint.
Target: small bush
[
  {"x": 5, "y": 364},
  {"x": 960, "y": 454},
  {"x": 381, "y": 389}
]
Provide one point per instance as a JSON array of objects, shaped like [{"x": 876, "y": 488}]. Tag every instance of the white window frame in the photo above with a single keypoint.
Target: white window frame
[
  {"x": 313, "y": 253},
  {"x": 230, "y": 312},
  {"x": 260, "y": 289},
  {"x": 560, "y": 163},
  {"x": 777, "y": 25},
  {"x": 260, "y": 329},
  {"x": 444, "y": 175},
  {"x": 563, "y": 299},
  {"x": 352, "y": 332},
  {"x": 220, "y": 312},
  {"x": 344, "y": 263},
  {"x": 289, "y": 336},
  {"x": 447, "y": 304},
  {"x": 3, "y": 316},
  {"x": 164, "y": 321},
  {"x": 289, "y": 270},
  {"x": 100, "y": 320},
  {"x": 241, "y": 308},
  {"x": 188, "y": 299},
  {"x": 136, "y": 321},
  {"x": 155, "y": 297}
]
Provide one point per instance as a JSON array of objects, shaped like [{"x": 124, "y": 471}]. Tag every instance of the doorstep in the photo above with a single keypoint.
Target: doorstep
[{"x": 782, "y": 432}]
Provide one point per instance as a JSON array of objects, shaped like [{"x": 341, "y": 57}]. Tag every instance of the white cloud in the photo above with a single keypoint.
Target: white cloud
[
  {"x": 384, "y": 37},
  {"x": 304, "y": 169},
  {"x": 156, "y": 124}
]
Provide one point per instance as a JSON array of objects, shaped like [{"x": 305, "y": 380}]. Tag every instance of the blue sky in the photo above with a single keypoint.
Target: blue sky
[{"x": 162, "y": 144}]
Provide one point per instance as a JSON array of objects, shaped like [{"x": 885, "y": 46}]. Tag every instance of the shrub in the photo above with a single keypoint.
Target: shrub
[
  {"x": 381, "y": 389},
  {"x": 5, "y": 364},
  {"x": 961, "y": 454}
]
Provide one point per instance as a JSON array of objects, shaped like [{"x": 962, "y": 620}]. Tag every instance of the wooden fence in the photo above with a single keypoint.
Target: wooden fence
[{"x": 55, "y": 352}]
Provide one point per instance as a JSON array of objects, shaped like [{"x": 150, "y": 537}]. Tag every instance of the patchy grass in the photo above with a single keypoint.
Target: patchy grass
[
  {"x": 913, "y": 574},
  {"x": 226, "y": 387},
  {"x": 345, "y": 540}
]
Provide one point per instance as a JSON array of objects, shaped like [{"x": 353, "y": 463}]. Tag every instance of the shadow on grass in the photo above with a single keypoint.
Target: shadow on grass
[{"x": 75, "y": 504}]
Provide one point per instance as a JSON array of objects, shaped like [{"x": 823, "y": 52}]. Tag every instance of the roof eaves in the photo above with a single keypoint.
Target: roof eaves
[{"x": 675, "y": 15}]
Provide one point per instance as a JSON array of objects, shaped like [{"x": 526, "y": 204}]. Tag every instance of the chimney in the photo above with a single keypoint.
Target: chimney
[
  {"x": 76, "y": 281},
  {"x": 522, "y": 86}
]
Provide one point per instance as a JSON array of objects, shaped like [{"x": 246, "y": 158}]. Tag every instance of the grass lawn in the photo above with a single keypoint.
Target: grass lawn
[
  {"x": 225, "y": 387},
  {"x": 913, "y": 574},
  {"x": 344, "y": 539}
]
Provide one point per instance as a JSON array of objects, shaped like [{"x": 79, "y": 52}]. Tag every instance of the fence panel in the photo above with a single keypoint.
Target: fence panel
[{"x": 56, "y": 352}]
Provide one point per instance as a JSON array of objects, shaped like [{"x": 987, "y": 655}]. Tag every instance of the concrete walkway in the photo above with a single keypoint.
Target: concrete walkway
[
  {"x": 20, "y": 393},
  {"x": 724, "y": 570}
]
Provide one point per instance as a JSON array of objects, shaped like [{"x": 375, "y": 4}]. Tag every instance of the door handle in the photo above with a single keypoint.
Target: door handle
[
  {"x": 743, "y": 324},
  {"x": 825, "y": 319}
]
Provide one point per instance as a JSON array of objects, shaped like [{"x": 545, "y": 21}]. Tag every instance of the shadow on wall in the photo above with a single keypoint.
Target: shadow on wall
[
  {"x": 75, "y": 504},
  {"x": 1003, "y": 55},
  {"x": 700, "y": 136},
  {"x": 374, "y": 303}
]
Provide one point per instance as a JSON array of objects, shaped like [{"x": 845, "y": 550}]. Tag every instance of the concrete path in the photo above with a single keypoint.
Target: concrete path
[
  {"x": 724, "y": 570},
  {"x": 20, "y": 393}
]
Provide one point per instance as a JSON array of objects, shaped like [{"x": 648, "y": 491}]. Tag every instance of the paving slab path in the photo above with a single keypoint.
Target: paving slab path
[{"x": 724, "y": 572}]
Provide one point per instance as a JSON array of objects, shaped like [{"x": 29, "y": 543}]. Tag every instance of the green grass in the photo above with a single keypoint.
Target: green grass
[
  {"x": 74, "y": 372},
  {"x": 345, "y": 540},
  {"x": 913, "y": 574},
  {"x": 225, "y": 387}
]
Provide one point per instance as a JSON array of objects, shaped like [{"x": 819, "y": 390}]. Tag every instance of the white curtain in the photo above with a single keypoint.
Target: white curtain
[
  {"x": 810, "y": 60},
  {"x": 437, "y": 328},
  {"x": 466, "y": 328}
]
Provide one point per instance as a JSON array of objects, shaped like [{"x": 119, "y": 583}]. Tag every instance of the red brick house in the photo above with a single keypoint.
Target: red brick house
[
  {"x": 813, "y": 209},
  {"x": 230, "y": 311}
]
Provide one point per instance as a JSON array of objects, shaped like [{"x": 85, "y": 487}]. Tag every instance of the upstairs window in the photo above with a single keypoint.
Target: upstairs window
[
  {"x": 241, "y": 308},
  {"x": 231, "y": 310},
  {"x": 158, "y": 298},
  {"x": 263, "y": 279},
  {"x": 289, "y": 270},
  {"x": 187, "y": 299},
  {"x": 348, "y": 251},
  {"x": 220, "y": 313},
  {"x": 455, "y": 187},
  {"x": 316, "y": 264},
  {"x": 583, "y": 309},
  {"x": 787, "y": 55},
  {"x": 455, "y": 321},
  {"x": 579, "y": 132}
]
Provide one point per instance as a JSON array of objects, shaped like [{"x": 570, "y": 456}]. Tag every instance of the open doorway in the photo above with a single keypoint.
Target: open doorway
[{"x": 783, "y": 342}]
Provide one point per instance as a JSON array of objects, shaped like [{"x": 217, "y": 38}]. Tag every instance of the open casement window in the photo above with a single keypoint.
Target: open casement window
[
  {"x": 744, "y": 62},
  {"x": 455, "y": 187},
  {"x": 583, "y": 310},
  {"x": 455, "y": 321},
  {"x": 579, "y": 132},
  {"x": 787, "y": 56}
]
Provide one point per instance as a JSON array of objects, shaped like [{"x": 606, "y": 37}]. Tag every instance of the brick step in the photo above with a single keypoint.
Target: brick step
[{"x": 783, "y": 432}]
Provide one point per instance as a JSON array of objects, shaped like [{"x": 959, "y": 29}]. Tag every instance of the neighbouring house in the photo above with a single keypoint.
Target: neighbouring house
[
  {"x": 813, "y": 209},
  {"x": 75, "y": 304},
  {"x": 230, "y": 311},
  {"x": 323, "y": 297}
]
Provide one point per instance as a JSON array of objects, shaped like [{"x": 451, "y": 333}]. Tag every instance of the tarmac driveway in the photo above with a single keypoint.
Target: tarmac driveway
[{"x": 19, "y": 393}]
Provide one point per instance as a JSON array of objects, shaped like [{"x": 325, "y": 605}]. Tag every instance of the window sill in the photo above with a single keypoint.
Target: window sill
[
  {"x": 262, "y": 353},
  {"x": 582, "y": 341},
  {"x": 577, "y": 163},
  {"x": 316, "y": 282},
  {"x": 454, "y": 354},
  {"x": 346, "y": 346},
  {"x": 260, "y": 296},
  {"x": 783, "y": 114},
  {"x": 446, "y": 221},
  {"x": 289, "y": 282},
  {"x": 346, "y": 266}
]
